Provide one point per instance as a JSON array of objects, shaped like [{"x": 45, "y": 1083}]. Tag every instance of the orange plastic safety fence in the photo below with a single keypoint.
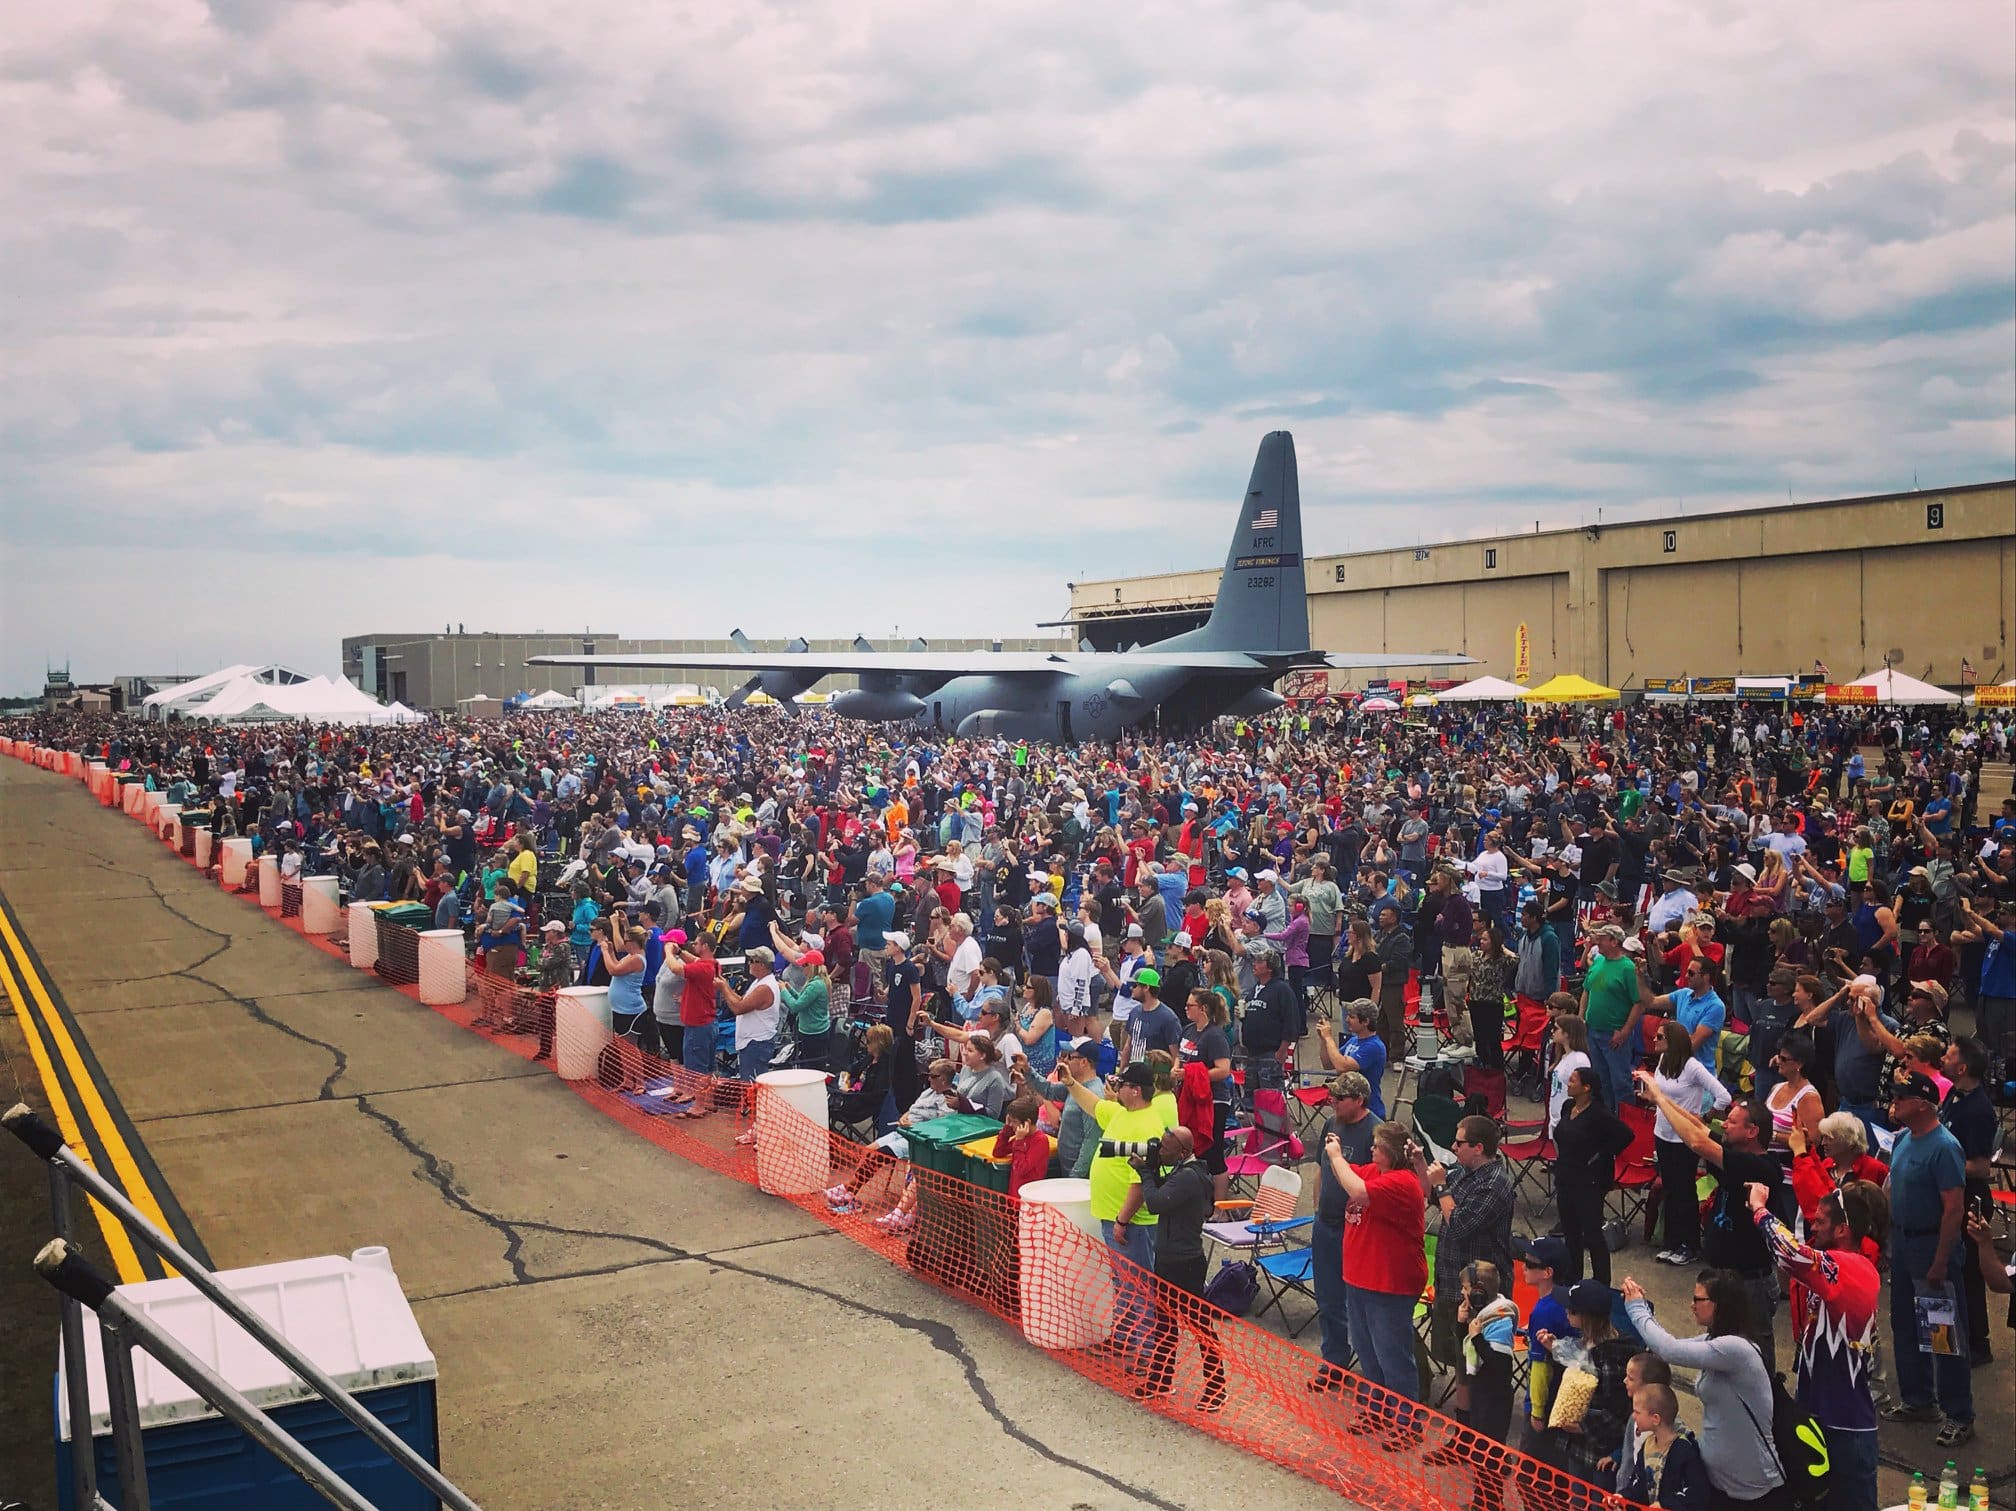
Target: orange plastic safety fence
[{"x": 1039, "y": 1266}]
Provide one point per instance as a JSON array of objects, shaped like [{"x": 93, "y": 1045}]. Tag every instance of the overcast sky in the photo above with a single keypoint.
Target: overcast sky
[{"x": 319, "y": 319}]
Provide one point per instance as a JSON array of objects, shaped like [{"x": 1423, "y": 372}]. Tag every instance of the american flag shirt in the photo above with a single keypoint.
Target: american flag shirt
[{"x": 1834, "y": 1299}]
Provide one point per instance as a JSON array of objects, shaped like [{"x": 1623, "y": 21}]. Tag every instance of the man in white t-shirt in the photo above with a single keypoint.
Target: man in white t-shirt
[{"x": 966, "y": 957}]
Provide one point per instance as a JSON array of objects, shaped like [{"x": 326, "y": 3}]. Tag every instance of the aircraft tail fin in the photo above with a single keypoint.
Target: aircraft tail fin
[{"x": 1262, "y": 602}]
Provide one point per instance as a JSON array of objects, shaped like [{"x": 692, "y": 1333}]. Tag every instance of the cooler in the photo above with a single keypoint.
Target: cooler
[
  {"x": 348, "y": 1315},
  {"x": 963, "y": 1236}
]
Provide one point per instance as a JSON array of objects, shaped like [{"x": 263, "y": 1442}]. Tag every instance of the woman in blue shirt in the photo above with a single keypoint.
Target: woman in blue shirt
[{"x": 585, "y": 913}]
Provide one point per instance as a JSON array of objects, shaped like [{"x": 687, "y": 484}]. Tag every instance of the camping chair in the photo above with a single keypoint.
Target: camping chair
[
  {"x": 1636, "y": 1179},
  {"x": 1436, "y": 1117},
  {"x": 1271, "y": 1141},
  {"x": 1284, "y": 1270},
  {"x": 1532, "y": 1162},
  {"x": 1525, "y": 1054},
  {"x": 1280, "y": 1191}
]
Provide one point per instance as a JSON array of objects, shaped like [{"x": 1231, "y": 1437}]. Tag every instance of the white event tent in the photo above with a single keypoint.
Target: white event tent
[
  {"x": 1892, "y": 686},
  {"x": 249, "y": 694},
  {"x": 1482, "y": 690}
]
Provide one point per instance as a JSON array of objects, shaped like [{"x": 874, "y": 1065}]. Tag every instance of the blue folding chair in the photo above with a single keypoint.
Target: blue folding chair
[{"x": 1285, "y": 1270}]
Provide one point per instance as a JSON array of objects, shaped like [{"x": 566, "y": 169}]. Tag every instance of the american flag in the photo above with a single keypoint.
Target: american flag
[
  {"x": 1267, "y": 519},
  {"x": 1966, "y": 670},
  {"x": 1819, "y": 667}
]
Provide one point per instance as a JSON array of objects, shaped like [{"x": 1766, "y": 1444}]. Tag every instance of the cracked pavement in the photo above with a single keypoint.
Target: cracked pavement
[{"x": 615, "y": 1328}]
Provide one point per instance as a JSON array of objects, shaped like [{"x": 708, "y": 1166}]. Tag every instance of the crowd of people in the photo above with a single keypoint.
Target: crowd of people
[{"x": 1116, "y": 946}]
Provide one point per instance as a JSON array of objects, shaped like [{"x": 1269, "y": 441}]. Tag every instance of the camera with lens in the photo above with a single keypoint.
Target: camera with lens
[{"x": 1146, "y": 1150}]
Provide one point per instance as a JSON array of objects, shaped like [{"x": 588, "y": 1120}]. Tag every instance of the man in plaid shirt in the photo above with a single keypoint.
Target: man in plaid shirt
[{"x": 1475, "y": 1201}]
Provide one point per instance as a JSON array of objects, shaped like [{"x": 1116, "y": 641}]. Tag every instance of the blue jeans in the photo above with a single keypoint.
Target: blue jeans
[
  {"x": 1383, "y": 1327},
  {"x": 1326, "y": 1269},
  {"x": 751, "y": 1060},
  {"x": 1133, "y": 1307},
  {"x": 697, "y": 1052},
  {"x": 1851, "y": 1481},
  {"x": 1919, "y": 1374},
  {"x": 1613, "y": 1068}
]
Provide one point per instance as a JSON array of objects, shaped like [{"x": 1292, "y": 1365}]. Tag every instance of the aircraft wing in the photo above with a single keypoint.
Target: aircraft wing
[{"x": 1004, "y": 663}]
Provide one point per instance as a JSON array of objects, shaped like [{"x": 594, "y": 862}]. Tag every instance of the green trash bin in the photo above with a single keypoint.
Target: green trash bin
[{"x": 963, "y": 1237}]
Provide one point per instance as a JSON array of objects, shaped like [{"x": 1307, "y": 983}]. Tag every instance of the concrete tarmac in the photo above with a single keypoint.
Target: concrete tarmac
[{"x": 616, "y": 1329}]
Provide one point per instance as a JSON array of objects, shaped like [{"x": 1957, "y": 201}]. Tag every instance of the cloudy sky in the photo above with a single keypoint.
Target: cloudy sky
[{"x": 323, "y": 318}]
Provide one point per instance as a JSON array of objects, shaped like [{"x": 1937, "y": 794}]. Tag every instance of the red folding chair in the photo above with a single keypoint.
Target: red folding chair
[
  {"x": 1532, "y": 1171},
  {"x": 1526, "y": 1054},
  {"x": 1635, "y": 1181}
]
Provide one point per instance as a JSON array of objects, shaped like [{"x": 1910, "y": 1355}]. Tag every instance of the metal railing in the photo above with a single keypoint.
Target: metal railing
[{"x": 125, "y": 1327}]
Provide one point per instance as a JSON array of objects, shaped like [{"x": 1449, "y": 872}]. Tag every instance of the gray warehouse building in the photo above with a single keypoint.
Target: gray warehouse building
[{"x": 1925, "y": 579}]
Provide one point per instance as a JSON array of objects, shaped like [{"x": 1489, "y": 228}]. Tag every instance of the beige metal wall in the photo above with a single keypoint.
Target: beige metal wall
[{"x": 1927, "y": 577}]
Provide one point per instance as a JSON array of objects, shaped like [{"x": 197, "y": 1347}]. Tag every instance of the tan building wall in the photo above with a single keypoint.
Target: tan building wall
[{"x": 1926, "y": 577}]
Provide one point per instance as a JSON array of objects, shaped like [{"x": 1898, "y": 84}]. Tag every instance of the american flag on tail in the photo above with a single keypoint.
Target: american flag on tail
[{"x": 1267, "y": 519}]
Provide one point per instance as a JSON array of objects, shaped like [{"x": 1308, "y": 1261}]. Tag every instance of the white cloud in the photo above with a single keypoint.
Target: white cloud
[{"x": 837, "y": 315}]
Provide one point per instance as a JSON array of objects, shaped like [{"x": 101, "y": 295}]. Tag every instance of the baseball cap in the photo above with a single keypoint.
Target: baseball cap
[
  {"x": 1546, "y": 1251},
  {"x": 1268, "y": 875},
  {"x": 1917, "y": 1085},
  {"x": 1747, "y": 871},
  {"x": 1930, "y": 989},
  {"x": 1134, "y": 931},
  {"x": 1921, "y": 871},
  {"x": 896, "y": 939},
  {"x": 404, "y": 839},
  {"x": 1610, "y": 931},
  {"x": 1590, "y": 1298},
  {"x": 553, "y": 926},
  {"x": 1148, "y": 976},
  {"x": 811, "y": 960},
  {"x": 1084, "y": 1049},
  {"x": 1238, "y": 871},
  {"x": 1141, "y": 1077}
]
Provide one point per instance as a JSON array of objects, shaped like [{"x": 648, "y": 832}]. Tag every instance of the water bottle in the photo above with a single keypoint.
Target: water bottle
[
  {"x": 1914, "y": 1500},
  {"x": 1977, "y": 1492},
  {"x": 1949, "y": 1487}
]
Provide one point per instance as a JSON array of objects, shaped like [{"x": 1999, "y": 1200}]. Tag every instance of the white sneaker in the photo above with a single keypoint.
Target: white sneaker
[
  {"x": 896, "y": 1222},
  {"x": 839, "y": 1196}
]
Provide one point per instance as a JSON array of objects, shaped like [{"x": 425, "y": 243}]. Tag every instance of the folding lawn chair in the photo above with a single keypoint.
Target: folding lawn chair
[
  {"x": 1284, "y": 1270},
  {"x": 1280, "y": 1189},
  {"x": 1525, "y": 1053},
  {"x": 1532, "y": 1162},
  {"x": 1271, "y": 1141},
  {"x": 1636, "y": 1179}
]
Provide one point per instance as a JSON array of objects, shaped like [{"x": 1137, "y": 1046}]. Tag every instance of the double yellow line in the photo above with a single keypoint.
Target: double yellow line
[{"x": 74, "y": 1093}]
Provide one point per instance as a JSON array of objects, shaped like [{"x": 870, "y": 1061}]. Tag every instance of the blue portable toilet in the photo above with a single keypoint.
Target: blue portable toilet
[{"x": 349, "y": 1316}]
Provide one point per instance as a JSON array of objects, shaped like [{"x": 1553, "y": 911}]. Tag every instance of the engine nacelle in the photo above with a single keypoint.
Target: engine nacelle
[
  {"x": 866, "y": 703},
  {"x": 1249, "y": 704}
]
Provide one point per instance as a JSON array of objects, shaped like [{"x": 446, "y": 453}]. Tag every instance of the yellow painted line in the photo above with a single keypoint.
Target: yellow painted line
[
  {"x": 117, "y": 1242},
  {"x": 129, "y": 1177}
]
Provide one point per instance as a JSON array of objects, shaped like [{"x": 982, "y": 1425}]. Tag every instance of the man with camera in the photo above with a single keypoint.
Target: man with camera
[{"x": 1177, "y": 1190}]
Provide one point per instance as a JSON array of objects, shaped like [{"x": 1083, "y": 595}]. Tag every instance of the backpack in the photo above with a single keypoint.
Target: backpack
[
  {"x": 1797, "y": 1439},
  {"x": 1233, "y": 1289}
]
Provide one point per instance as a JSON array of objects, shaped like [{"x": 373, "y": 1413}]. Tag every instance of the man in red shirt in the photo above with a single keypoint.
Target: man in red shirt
[
  {"x": 1385, "y": 1272},
  {"x": 694, "y": 963}
]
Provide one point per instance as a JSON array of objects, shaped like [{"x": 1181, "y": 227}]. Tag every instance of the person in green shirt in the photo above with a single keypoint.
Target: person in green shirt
[
  {"x": 1614, "y": 997},
  {"x": 811, "y": 1012}
]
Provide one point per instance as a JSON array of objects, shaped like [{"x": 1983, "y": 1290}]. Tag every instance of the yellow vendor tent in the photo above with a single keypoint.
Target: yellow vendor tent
[{"x": 1569, "y": 688}]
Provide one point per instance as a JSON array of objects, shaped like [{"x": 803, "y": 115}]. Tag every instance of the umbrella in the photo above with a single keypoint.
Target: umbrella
[{"x": 1379, "y": 706}]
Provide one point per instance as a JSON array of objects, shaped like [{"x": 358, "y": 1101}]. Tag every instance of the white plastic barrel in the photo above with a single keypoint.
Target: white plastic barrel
[
  {"x": 165, "y": 823},
  {"x": 792, "y": 1153},
  {"x": 319, "y": 912},
  {"x": 150, "y": 804},
  {"x": 237, "y": 856},
  {"x": 363, "y": 935},
  {"x": 203, "y": 841},
  {"x": 131, "y": 795},
  {"x": 1067, "y": 1286},
  {"x": 269, "y": 881},
  {"x": 581, "y": 1027},
  {"x": 444, "y": 967}
]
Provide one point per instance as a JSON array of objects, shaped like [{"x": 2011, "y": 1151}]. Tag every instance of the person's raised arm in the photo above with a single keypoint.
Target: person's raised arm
[
  {"x": 1994, "y": 1274},
  {"x": 1819, "y": 1011},
  {"x": 1349, "y": 1179},
  {"x": 1692, "y": 1131}
]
